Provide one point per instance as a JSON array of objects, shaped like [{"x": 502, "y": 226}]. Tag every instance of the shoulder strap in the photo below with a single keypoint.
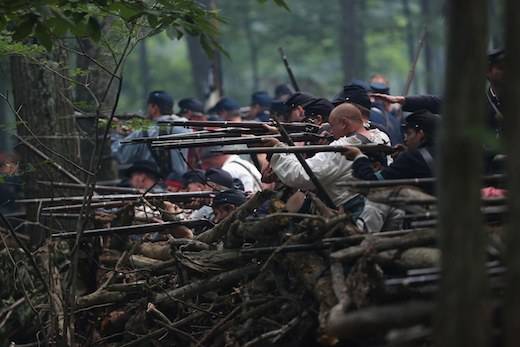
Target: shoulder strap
[
  {"x": 426, "y": 155},
  {"x": 364, "y": 140},
  {"x": 258, "y": 182},
  {"x": 161, "y": 158}
]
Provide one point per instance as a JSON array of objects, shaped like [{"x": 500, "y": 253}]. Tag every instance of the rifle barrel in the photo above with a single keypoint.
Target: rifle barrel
[
  {"x": 293, "y": 127},
  {"x": 122, "y": 197},
  {"x": 308, "y": 149},
  {"x": 204, "y": 134},
  {"x": 97, "y": 188},
  {"x": 135, "y": 229},
  {"x": 233, "y": 140}
]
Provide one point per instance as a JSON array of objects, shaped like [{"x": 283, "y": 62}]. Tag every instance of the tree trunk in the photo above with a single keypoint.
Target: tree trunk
[
  {"x": 43, "y": 99},
  {"x": 462, "y": 315},
  {"x": 409, "y": 33},
  {"x": 6, "y": 120},
  {"x": 253, "y": 48},
  {"x": 206, "y": 72},
  {"x": 97, "y": 79},
  {"x": 427, "y": 14},
  {"x": 144, "y": 69},
  {"x": 199, "y": 67},
  {"x": 351, "y": 37},
  {"x": 512, "y": 127}
]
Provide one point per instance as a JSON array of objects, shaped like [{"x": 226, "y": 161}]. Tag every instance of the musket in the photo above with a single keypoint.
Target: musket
[
  {"x": 98, "y": 188},
  {"x": 123, "y": 197},
  {"x": 368, "y": 149},
  {"x": 290, "y": 127},
  {"x": 298, "y": 137},
  {"x": 289, "y": 70},
  {"x": 320, "y": 191},
  {"x": 120, "y": 116},
  {"x": 203, "y": 134},
  {"x": 411, "y": 72},
  {"x": 408, "y": 181},
  {"x": 105, "y": 204},
  {"x": 136, "y": 229}
]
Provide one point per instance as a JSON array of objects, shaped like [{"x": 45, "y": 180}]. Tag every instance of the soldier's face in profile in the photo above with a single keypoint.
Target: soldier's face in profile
[
  {"x": 297, "y": 114},
  {"x": 413, "y": 138},
  {"x": 495, "y": 73}
]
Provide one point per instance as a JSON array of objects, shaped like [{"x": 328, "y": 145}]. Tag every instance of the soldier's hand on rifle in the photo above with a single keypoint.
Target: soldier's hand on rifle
[
  {"x": 351, "y": 153},
  {"x": 398, "y": 149},
  {"x": 270, "y": 142},
  {"x": 121, "y": 128},
  {"x": 270, "y": 129},
  {"x": 389, "y": 98}
]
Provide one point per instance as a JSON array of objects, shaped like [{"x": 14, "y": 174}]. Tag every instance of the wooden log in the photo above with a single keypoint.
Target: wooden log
[
  {"x": 220, "y": 281},
  {"x": 377, "y": 319},
  {"x": 419, "y": 238},
  {"x": 220, "y": 230}
]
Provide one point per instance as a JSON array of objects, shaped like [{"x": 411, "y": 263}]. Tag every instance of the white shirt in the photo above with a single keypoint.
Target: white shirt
[
  {"x": 244, "y": 171},
  {"x": 332, "y": 169}
]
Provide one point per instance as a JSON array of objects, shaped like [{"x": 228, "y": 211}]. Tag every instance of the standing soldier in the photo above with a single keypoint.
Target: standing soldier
[{"x": 160, "y": 109}]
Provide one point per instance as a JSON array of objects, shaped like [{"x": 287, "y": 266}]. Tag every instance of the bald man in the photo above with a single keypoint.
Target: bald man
[{"x": 333, "y": 170}]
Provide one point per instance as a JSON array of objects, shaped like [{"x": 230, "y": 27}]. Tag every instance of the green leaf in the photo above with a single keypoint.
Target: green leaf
[
  {"x": 58, "y": 26},
  {"x": 24, "y": 29},
  {"x": 43, "y": 36},
  {"x": 124, "y": 10},
  {"x": 93, "y": 29},
  {"x": 282, "y": 3}
]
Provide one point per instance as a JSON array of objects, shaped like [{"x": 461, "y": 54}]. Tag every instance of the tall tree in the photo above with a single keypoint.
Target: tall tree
[
  {"x": 512, "y": 128},
  {"x": 251, "y": 39},
  {"x": 49, "y": 121},
  {"x": 427, "y": 13},
  {"x": 462, "y": 316},
  {"x": 352, "y": 39},
  {"x": 144, "y": 69}
]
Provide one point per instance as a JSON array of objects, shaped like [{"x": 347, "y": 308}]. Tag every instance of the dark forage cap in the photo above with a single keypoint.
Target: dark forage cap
[
  {"x": 496, "y": 56},
  {"x": 281, "y": 90},
  {"x": 191, "y": 104},
  {"x": 161, "y": 99},
  {"x": 226, "y": 104},
  {"x": 146, "y": 166},
  {"x": 193, "y": 176},
  {"x": 299, "y": 99},
  {"x": 380, "y": 88},
  {"x": 353, "y": 94},
  {"x": 231, "y": 196},
  {"x": 360, "y": 83},
  {"x": 261, "y": 98},
  {"x": 423, "y": 120},
  {"x": 220, "y": 177},
  {"x": 318, "y": 106}
]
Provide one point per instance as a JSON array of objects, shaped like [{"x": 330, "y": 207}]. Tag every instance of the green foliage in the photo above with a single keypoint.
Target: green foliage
[{"x": 48, "y": 20}]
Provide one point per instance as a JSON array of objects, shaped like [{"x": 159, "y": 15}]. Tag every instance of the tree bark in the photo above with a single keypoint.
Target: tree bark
[
  {"x": 144, "y": 69},
  {"x": 253, "y": 47},
  {"x": 462, "y": 316},
  {"x": 43, "y": 99},
  {"x": 351, "y": 37},
  {"x": 427, "y": 14},
  {"x": 512, "y": 127},
  {"x": 98, "y": 80}
]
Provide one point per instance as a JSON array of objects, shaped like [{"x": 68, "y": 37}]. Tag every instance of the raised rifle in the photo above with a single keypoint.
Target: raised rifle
[
  {"x": 136, "y": 229},
  {"x": 289, "y": 70},
  {"x": 320, "y": 191},
  {"x": 367, "y": 149},
  {"x": 260, "y": 126},
  {"x": 298, "y": 137}
]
